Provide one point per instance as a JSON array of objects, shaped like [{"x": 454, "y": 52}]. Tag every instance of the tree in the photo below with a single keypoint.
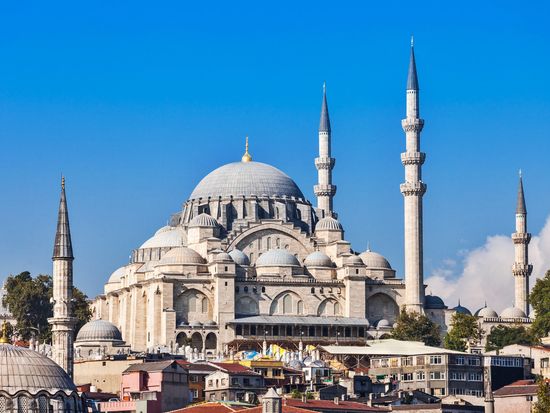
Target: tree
[
  {"x": 28, "y": 299},
  {"x": 542, "y": 405},
  {"x": 501, "y": 336},
  {"x": 540, "y": 300},
  {"x": 416, "y": 327},
  {"x": 464, "y": 330}
]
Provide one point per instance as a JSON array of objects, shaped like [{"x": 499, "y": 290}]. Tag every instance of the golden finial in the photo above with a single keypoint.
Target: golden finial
[
  {"x": 4, "y": 339},
  {"x": 246, "y": 157},
  {"x": 62, "y": 182}
]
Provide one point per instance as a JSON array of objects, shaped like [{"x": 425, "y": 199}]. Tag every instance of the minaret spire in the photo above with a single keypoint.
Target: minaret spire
[
  {"x": 521, "y": 267},
  {"x": 413, "y": 190},
  {"x": 63, "y": 321},
  {"x": 324, "y": 190}
]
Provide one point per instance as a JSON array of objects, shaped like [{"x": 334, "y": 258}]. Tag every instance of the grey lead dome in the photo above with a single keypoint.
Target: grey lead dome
[
  {"x": 99, "y": 330},
  {"x": 246, "y": 179}
]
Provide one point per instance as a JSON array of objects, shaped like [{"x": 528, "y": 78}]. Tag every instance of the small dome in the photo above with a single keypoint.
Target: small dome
[
  {"x": 223, "y": 257},
  {"x": 383, "y": 324},
  {"x": 375, "y": 260},
  {"x": 239, "y": 257},
  {"x": 246, "y": 179},
  {"x": 512, "y": 312},
  {"x": 296, "y": 364},
  {"x": 99, "y": 330},
  {"x": 166, "y": 237},
  {"x": 25, "y": 370},
  {"x": 318, "y": 259},
  {"x": 117, "y": 275},
  {"x": 462, "y": 310},
  {"x": 277, "y": 258},
  {"x": 328, "y": 223},
  {"x": 203, "y": 221},
  {"x": 210, "y": 323},
  {"x": 180, "y": 256},
  {"x": 486, "y": 312},
  {"x": 353, "y": 260},
  {"x": 433, "y": 302},
  {"x": 195, "y": 324}
]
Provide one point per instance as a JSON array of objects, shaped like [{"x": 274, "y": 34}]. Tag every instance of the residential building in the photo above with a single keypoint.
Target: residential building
[
  {"x": 233, "y": 382},
  {"x": 197, "y": 378},
  {"x": 517, "y": 397}
]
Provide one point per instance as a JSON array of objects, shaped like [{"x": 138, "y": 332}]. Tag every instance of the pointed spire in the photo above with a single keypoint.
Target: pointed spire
[
  {"x": 324, "y": 123},
  {"x": 412, "y": 79},
  {"x": 246, "y": 157},
  {"x": 63, "y": 247},
  {"x": 520, "y": 209}
]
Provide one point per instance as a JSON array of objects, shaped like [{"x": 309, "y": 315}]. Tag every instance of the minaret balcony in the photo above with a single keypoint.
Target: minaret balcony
[
  {"x": 413, "y": 188},
  {"x": 324, "y": 162},
  {"x": 523, "y": 270},
  {"x": 412, "y": 124},
  {"x": 521, "y": 237},
  {"x": 324, "y": 190},
  {"x": 413, "y": 158}
]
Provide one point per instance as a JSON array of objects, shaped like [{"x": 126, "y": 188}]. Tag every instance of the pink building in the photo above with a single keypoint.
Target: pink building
[{"x": 151, "y": 387}]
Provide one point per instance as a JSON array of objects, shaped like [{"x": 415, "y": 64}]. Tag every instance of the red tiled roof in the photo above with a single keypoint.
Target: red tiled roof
[
  {"x": 329, "y": 404},
  {"x": 234, "y": 368},
  {"x": 518, "y": 388},
  {"x": 212, "y": 407},
  {"x": 286, "y": 409}
]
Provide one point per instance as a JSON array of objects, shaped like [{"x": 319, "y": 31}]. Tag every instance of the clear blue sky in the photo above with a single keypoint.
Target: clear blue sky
[{"x": 135, "y": 102}]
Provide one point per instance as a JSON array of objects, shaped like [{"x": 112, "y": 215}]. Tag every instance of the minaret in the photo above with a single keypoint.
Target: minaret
[
  {"x": 324, "y": 190},
  {"x": 521, "y": 268},
  {"x": 413, "y": 189},
  {"x": 63, "y": 321}
]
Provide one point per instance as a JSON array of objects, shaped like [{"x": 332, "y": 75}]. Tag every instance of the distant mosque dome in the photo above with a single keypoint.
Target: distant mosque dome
[
  {"x": 374, "y": 260},
  {"x": 353, "y": 260},
  {"x": 462, "y": 310},
  {"x": 223, "y": 257},
  {"x": 383, "y": 324},
  {"x": 166, "y": 237},
  {"x": 318, "y": 259},
  {"x": 328, "y": 223},
  {"x": 512, "y": 312},
  {"x": 486, "y": 312},
  {"x": 433, "y": 302},
  {"x": 277, "y": 258},
  {"x": 239, "y": 257},
  {"x": 117, "y": 275},
  {"x": 203, "y": 221},
  {"x": 246, "y": 179},
  {"x": 99, "y": 330},
  {"x": 31, "y": 379},
  {"x": 181, "y": 256}
]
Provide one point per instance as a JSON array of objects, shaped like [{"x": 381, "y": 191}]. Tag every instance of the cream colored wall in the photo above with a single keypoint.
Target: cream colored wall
[{"x": 106, "y": 375}]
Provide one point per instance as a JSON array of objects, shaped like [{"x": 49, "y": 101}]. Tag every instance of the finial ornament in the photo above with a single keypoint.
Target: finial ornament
[
  {"x": 368, "y": 246},
  {"x": 520, "y": 173},
  {"x": 324, "y": 87},
  {"x": 62, "y": 182},
  {"x": 412, "y": 40},
  {"x": 246, "y": 157},
  {"x": 4, "y": 339}
]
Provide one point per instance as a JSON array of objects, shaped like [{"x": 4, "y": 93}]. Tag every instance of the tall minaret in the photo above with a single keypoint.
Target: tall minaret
[
  {"x": 63, "y": 321},
  {"x": 521, "y": 268},
  {"x": 324, "y": 190},
  {"x": 413, "y": 189}
]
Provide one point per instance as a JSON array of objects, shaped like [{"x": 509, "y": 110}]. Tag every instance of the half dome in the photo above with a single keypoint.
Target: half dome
[
  {"x": 318, "y": 259},
  {"x": 246, "y": 179},
  {"x": 328, "y": 223},
  {"x": 239, "y": 257},
  {"x": 117, "y": 275},
  {"x": 99, "y": 330},
  {"x": 277, "y": 258},
  {"x": 181, "y": 256},
  {"x": 27, "y": 370},
  {"x": 166, "y": 237}
]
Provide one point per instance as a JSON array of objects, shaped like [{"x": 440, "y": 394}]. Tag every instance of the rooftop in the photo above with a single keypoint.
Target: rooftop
[
  {"x": 302, "y": 320},
  {"x": 319, "y": 405},
  {"x": 518, "y": 388},
  {"x": 389, "y": 347}
]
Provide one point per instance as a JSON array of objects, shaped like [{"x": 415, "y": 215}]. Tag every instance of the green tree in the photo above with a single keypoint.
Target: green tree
[
  {"x": 540, "y": 300},
  {"x": 464, "y": 330},
  {"x": 28, "y": 299},
  {"x": 501, "y": 336},
  {"x": 416, "y": 327},
  {"x": 542, "y": 405}
]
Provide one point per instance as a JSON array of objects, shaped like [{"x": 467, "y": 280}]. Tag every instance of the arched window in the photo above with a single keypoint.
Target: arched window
[
  {"x": 300, "y": 307},
  {"x": 192, "y": 303},
  {"x": 287, "y": 304},
  {"x": 336, "y": 308},
  {"x": 268, "y": 243},
  {"x": 278, "y": 242},
  {"x": 204, "y": 305}
]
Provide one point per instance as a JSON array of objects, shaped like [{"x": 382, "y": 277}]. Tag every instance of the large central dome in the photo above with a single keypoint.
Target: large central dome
[{"x": 246, "y": 179}]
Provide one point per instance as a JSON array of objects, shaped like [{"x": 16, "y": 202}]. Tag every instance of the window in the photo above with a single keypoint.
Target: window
[
  {"x": 237, "y": 289},
  {"x": 263, "y": 289},
  {"x": 300, "y": 307},
  {"x": 312, "y": 290},
  {"x": 195, "y": 393},
  {"x": 460, "y": 360},
  {"x": 194, "y": 378},
  {"x": 204, "y": 305},
  {"x": 435, "y": 360},
  {"x": 420, "y": 375},
  {"x": 458, "y": 375},
  {"x": 476, "y": 377},
  {"x": 474, "y": 361},
  {"x": 210, "y": 383},
  {"x": 246, "y": 381},
  {"x": 234, "y": 381},
  {"x": 287, "y": 304},
  {"x": 420, "y": 360},
  {"x": 437, "y": 375},
  {"x": 245, "y": 289},
  {"x": 406, "y": 361},
  {"x": 407, "y": 377}
]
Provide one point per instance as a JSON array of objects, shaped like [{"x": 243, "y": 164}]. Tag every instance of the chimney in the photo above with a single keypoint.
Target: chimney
[
  {"x": 336, "y": 400},
  {"x": 304, "y": 398}
]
